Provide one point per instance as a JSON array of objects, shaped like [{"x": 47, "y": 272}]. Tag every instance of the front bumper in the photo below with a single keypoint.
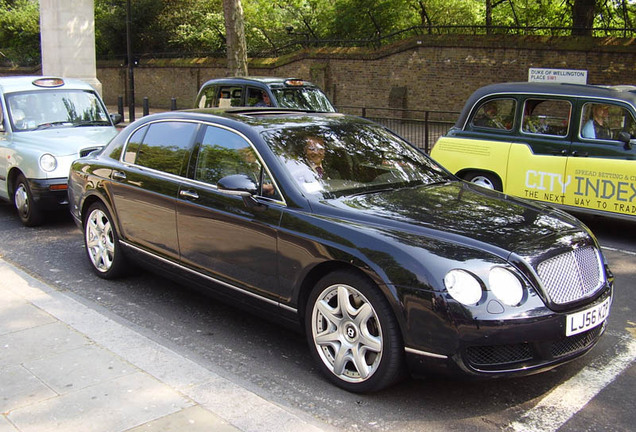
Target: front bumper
[
  {"x": 49, "y": 194},
  {"x": 510, "y": 347}
]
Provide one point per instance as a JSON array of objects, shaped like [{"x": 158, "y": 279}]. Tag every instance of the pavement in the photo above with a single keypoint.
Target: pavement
[{"x": 67, "y": 366}]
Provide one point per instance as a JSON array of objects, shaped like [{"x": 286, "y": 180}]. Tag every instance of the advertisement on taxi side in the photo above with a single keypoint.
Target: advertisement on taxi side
[
  {"x": 607, "y": 189},
  {"x": 601, "y": 184}
]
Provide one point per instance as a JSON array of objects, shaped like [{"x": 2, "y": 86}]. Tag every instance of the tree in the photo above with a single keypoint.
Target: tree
[
  {"x": 583, "y": 12},
  {"x": 235, "y": 37},
  {"x": 19, "y": 32}
]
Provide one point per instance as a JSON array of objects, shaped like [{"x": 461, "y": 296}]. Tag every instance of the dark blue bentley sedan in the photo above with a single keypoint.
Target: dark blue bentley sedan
[{"x": 333, "y": 224}]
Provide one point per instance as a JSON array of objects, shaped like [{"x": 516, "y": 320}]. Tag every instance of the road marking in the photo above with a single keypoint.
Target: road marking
[
  {"x": 618, "y": 250},
  {"x": 563, "y": 402}
]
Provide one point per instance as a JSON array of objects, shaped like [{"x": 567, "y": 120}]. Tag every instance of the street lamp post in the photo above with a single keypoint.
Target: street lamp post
[{"x": 131, "y": 73}]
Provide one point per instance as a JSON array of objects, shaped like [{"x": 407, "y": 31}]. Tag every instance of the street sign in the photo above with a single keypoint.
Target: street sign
[{"x": 557, "y": 75}]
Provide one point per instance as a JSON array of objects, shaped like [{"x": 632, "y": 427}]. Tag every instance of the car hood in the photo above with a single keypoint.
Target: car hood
[
  {"x": 473, "y": 216},
  {"x": 65, "y": 141}
]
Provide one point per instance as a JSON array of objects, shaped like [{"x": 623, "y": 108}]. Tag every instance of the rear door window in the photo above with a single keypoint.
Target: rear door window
[
  {"x": 164, "y": 146},
  {"x": 546, "y": 117}
]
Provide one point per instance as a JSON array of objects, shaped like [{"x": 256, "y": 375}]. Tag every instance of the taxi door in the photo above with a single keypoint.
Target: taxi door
[
  {"x": 602, "y": 161},
  {"x": 537, "y": 162}
]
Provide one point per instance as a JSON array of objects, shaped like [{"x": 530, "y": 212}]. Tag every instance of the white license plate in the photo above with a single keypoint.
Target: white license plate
[{"x": 589, "y": 318}]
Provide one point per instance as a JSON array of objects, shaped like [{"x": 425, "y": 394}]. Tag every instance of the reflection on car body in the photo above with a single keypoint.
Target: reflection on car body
[
  {"x": 382, "y": 256},
  {"x": 45, "y": 124},
  {"x": 568, "y": 145}
]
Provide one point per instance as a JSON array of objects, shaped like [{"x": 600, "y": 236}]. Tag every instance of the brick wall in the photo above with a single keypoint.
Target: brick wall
[{"x": 436, "y": 72}]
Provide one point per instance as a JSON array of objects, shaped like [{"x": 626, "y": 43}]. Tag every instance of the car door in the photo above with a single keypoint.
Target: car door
[
  {"x": 537, "y": 160},
  {"x": 219, "y": 234},
  {"x": 601, "y": 165},
  {"x": 144, "y": 191}
]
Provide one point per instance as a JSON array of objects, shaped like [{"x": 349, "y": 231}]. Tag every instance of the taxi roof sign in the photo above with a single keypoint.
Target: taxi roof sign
[
  {"x": 294, "y": 82},
  {"x": 48, "y": 82}
]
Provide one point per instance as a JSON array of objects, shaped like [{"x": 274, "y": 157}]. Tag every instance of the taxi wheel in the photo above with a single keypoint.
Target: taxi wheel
[
  {"x": 24, "y": 203},
  {"x": 483, "y": 179},
  {"x": 353, "y": 334}
]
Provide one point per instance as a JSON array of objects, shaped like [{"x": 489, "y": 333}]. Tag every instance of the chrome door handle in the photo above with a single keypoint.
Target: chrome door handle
[
  {"x": 188, "y": 194},
  {"x": 119, "y": 175}
]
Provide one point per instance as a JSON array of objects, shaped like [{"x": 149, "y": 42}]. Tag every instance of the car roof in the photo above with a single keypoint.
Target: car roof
[
  {"x": 266, "y": 80},
  {"x": 25, "y": 83},
  {"x": 626, "y": 93},
  {"x": 255, "y": 118}
]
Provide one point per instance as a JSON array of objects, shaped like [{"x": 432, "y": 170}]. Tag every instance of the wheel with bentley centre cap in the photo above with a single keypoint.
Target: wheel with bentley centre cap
[
  {"x": 353, "y": 334},
  {"x": 102, "y": 243}
]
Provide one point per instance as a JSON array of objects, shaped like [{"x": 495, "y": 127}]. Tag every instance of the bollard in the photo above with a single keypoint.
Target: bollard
[
  {"x": 120, "y": 106},
  {"x": 146, "y": 107},
  {"x": 173, "y": 104}
]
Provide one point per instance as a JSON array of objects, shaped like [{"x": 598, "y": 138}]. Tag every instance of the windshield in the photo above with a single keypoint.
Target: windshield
[
  {"x": 345, "y": 158},
  {"x": 55, "y": 108},
  {"x": 303, "y": 98}
]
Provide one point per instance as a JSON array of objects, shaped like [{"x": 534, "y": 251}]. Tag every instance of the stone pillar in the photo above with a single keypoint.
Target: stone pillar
[{"x": 67, "y": 33}]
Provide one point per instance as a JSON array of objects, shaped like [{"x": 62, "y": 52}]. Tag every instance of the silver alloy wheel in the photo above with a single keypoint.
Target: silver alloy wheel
[
  {"x": 100, "y": 240},
  {"x": 347, "y": 333},
  {"x": 21, "y": 199},
  {"x": 482, "y": 181}
]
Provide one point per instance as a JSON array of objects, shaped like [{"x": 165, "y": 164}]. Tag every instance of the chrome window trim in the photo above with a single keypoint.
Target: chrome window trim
[
  {"x": 210, "y": 278},
  {"x": 197, "y": 182}
]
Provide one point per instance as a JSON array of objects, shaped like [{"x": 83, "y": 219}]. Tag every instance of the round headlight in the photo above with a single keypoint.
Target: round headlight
[
  {"x": 48, "y": 162},
  {"x": 505, "y": 285},
  {"x": 463, "y": 286}
]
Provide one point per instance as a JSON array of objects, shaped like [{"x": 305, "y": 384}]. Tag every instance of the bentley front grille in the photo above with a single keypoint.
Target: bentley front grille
[{"x": 572, "y": 276}]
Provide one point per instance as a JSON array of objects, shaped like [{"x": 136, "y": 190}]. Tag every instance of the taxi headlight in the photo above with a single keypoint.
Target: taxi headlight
[
  {"x": 463, "y": 286},
  {"x": 48, "y": 162},
  {"x": 505, "y": 286}
]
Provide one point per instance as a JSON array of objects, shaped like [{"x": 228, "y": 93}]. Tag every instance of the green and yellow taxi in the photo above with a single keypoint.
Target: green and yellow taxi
[{"x": 568, "y": 145}]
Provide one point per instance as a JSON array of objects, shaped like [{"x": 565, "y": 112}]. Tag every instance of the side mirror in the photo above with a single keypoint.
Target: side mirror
[
  {"x": 626, "y": 138},
  {"x": 243, "y": 186},
  {"x": 116, "y": 118},
  {"x": 238, "y": 184}
]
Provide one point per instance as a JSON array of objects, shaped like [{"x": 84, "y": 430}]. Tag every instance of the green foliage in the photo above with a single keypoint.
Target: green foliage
[
  {"x": 196, "y": 27},
  {"x": 19, "y": 32}
]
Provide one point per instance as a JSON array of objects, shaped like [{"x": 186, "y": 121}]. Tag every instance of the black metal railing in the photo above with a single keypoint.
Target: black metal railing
[{"x": 421, "y": 128}]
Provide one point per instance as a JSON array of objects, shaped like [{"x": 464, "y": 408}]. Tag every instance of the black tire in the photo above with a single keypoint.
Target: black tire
[
  {"x": 102, "y": 243},
  {"x": 484, "y": 179},
  {"x": 366, "y": 336},
  {"x": 25, "y": 205}
]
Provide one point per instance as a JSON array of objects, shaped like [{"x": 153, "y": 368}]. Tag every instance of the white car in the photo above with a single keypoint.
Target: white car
[{"x": 45, "y": 124}]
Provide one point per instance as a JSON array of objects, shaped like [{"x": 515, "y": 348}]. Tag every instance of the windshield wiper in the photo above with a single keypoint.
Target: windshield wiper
[
  {"x": 51, "y": 124},
  {"x": 93, "y": 123}
]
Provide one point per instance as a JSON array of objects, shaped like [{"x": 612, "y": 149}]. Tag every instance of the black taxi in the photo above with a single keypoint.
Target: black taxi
[
  {"x": 569, "y": 145},
  {"x": 292, "y": 93}
]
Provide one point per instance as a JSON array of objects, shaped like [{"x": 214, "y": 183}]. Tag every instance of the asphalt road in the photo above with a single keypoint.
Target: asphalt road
[{"x": 590, "y": 394}]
